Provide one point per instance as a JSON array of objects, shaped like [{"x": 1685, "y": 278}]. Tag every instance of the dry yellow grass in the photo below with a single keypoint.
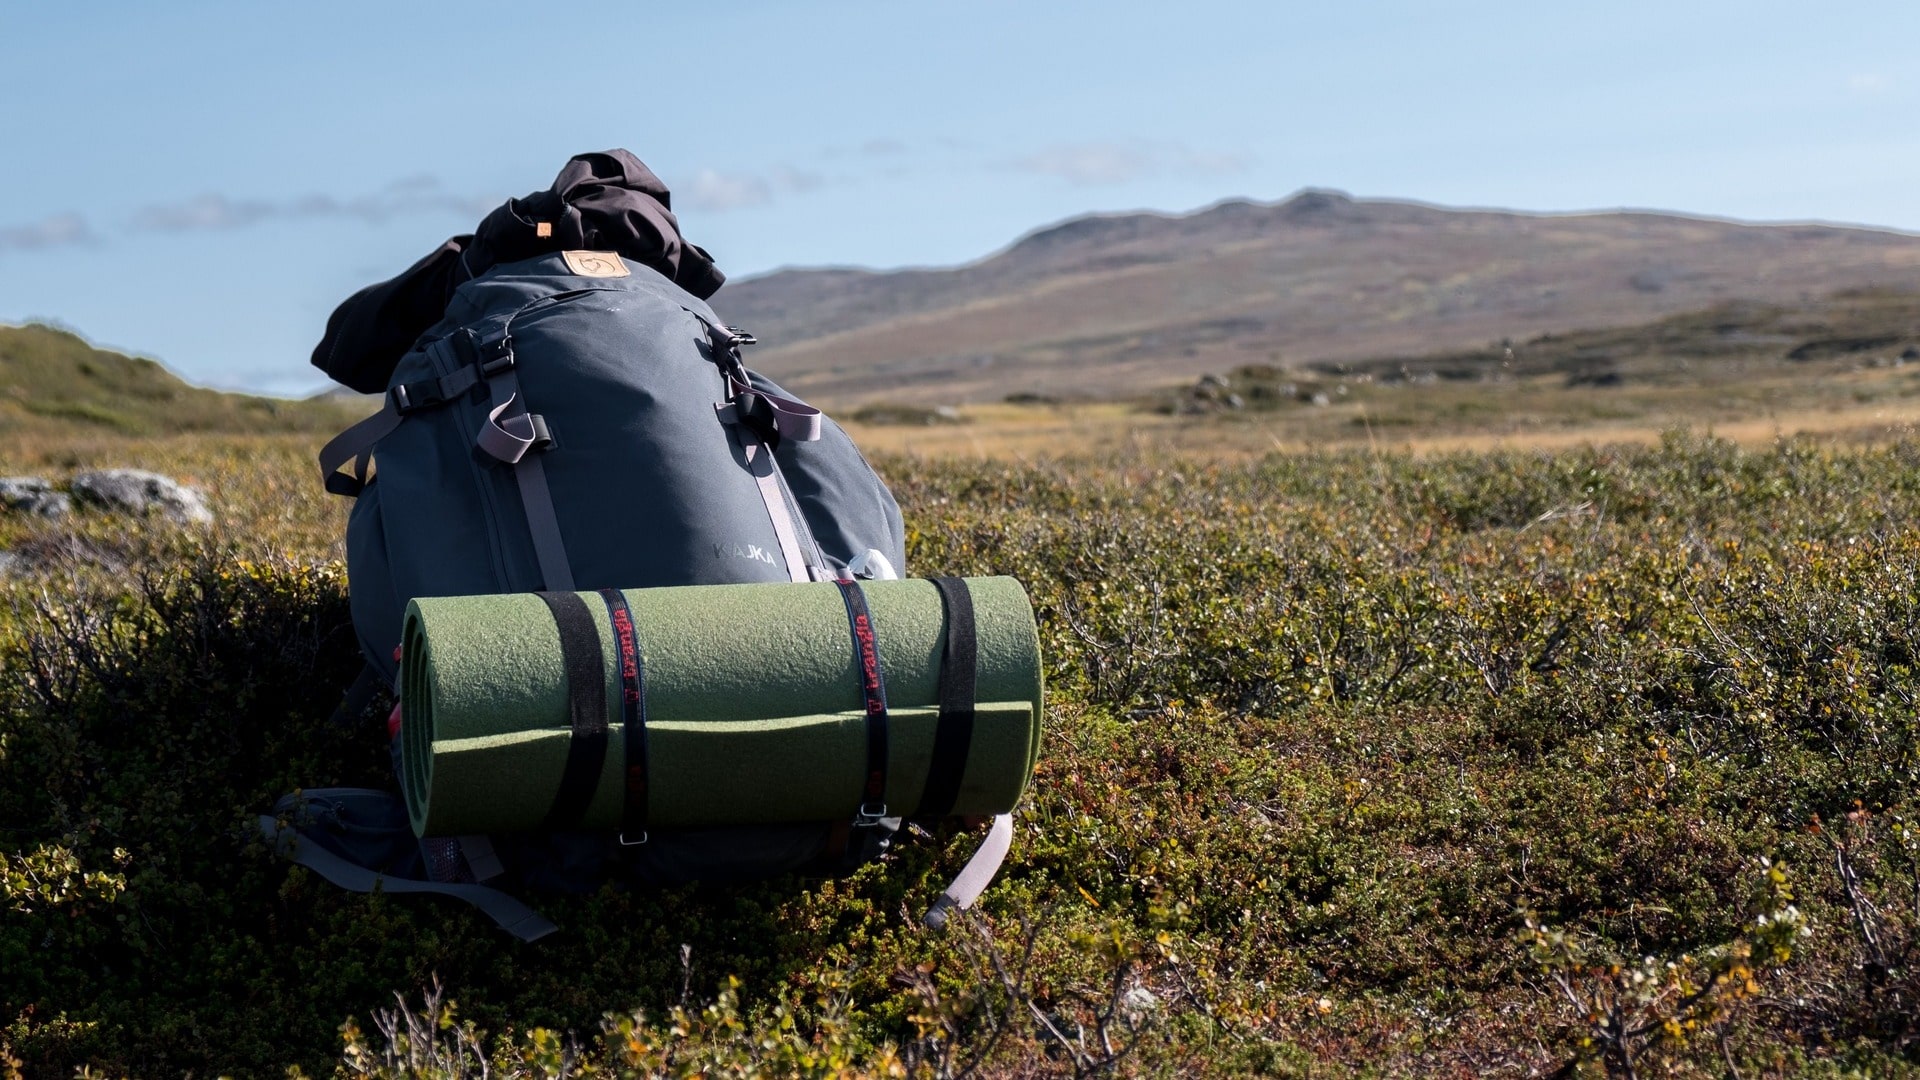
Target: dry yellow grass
[{"x": 1098, "y": 429}]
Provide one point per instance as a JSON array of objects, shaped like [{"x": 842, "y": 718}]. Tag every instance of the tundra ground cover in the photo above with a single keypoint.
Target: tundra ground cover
[{"x": 1600, "y": 761}]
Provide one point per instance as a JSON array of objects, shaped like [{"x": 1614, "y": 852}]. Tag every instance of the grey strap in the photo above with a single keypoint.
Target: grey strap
[
  {"x": 766, "y": 477},
  {"x": 357, "y": 442},
  {"x": 977, "y": 874},
  {"x": 786, "y": 417},
  {"x": 509, "y": 439},
  {"x": 555, "y": 573},
  {"x": 513, "y": 916},
  {"x": 482, "y": 860},
  {"x": 356, "y": 445}
]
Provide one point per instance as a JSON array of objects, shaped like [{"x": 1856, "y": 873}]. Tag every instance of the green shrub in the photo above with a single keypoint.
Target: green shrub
[{"x": 1349, "y": 759}]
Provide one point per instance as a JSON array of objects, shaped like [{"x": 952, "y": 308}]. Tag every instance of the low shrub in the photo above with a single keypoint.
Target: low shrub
[{"x": 1599, "y": 761}]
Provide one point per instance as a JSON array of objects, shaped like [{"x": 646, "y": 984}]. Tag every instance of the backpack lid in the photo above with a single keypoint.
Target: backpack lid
[{"x": 607, "y": 201}]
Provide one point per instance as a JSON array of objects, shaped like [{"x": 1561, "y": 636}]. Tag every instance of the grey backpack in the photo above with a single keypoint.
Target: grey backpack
[{"x": 577, "y": 421}]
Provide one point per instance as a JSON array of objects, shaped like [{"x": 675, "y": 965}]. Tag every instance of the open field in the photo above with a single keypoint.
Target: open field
[
  {"x": 1359, "y": 762},
  {"x": 1842, "y": 366},
  {"x": 1029, "y": 432}
]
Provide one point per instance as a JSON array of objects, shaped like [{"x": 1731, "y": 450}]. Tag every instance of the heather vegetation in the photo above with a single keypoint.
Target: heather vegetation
[{"x": 1596, "y": 762}]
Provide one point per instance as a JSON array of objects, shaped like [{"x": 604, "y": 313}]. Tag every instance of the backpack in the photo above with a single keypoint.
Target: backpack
[{"x": 579, "y": 421}]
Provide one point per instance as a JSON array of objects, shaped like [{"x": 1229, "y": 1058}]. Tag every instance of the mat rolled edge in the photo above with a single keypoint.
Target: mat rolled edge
[{"x": 486, "y": 729}]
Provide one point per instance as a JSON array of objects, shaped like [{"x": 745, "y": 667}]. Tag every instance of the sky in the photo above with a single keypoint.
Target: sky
[{"x": 201, "y": 182}]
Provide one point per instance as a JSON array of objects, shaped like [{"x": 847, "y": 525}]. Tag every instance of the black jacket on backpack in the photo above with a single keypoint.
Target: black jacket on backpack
[{"x": 606, "y": 201}]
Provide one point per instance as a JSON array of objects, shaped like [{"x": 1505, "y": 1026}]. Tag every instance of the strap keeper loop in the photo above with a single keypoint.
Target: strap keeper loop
[{"x": 542, "y": 436}]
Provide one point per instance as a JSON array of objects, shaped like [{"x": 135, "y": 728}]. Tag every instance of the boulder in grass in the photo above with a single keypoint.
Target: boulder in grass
[
  {"x": 139, "y": 492},
  {"x": 32, "y": 495}
]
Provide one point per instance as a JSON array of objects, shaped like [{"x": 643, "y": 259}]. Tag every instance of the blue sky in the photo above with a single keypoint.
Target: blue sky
[{"x": 201, "y": 182}]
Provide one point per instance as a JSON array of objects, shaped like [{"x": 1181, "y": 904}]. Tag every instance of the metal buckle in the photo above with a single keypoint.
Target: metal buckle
[
  {"x": 869, "y": 815},
  {"x": 624, "y": 842}
]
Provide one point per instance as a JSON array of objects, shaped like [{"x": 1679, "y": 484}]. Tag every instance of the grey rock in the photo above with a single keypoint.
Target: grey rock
[
  {"x": 139, "y": 492},
  {"x": 11, "y": 563},
  {"x": 32, "y": 495}
]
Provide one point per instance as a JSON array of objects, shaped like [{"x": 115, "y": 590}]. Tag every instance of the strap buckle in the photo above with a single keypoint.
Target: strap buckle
[
  {"x": 492, "y": 351},
  {"x": 624, "y": 842},
  {"x": 870, "y": 814},
  {"x": 410, "y": 398}
]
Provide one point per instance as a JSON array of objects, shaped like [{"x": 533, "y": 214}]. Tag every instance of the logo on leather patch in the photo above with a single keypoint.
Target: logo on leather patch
[{"x": 595, "y": 263}]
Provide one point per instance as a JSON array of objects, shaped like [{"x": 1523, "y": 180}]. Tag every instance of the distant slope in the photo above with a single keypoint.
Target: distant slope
[
  {"x": 1116, "y": 304},
  {"x": 53, "y": 379}
]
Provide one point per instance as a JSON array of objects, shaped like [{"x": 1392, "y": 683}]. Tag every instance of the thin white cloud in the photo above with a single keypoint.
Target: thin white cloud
[
  {"x": 60, "y": 230},
  {"x": 413, "y": 194},
  {"x": 796, "y": 180},
  {"x": 718, "y": 192},
  {"x": 885, "y": 146},
  {"x": 203, "y": 212},
  {"x": 1094, "y": 164},
  {"x": 1869, "y": 83}
]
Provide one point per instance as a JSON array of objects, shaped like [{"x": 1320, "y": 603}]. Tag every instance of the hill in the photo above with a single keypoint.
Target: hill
[
  {"x": 1112, "y": 304},
  {"x": 53, "y": 379}
]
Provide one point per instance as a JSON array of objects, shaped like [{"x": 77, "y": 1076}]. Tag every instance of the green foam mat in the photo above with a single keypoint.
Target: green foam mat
[{"x": 754, "y": 713}]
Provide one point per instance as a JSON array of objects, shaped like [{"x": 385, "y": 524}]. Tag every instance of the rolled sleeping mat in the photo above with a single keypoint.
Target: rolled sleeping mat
[{"x": 735, "y": 705}]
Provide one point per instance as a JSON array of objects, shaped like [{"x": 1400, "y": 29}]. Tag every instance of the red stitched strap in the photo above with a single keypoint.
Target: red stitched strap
[{"x": 873, "y": 691}]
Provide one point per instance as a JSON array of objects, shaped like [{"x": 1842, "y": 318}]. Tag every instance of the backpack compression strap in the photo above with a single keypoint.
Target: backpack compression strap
[
  {"x": 633, "y": 717},
  {"x": 873, "y": 690},
  {"x": 403, "y": 400},
  {"x": 507, "y": 436},
  {"x": 586, "y": 708},
  {"x": 952, "y": 743},
  {"x": 953, "y": 734}
]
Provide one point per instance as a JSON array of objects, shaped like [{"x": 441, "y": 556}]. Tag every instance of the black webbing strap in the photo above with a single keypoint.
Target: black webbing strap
[
  {"x": 586, "y": 708},
  {"x": 959, "y": 666},
  {"x": 633, "y": 716},
  {"x": 866, "y": 660}
]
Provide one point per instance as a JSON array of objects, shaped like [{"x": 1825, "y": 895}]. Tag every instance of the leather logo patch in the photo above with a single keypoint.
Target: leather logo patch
[{"x": 595, "y": 263}]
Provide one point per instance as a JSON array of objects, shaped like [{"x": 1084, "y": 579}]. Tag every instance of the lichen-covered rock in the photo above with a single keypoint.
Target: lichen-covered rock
[
  {"x": 140, "y": 492},
  {"x": 32, "y": 495}
]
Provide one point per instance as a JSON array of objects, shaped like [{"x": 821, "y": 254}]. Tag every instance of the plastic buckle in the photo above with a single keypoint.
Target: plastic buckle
[
  {"x": 869, "y": 815},
  {"x": 409, "y": 398},
  {"x": 495, "y": 351}
]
